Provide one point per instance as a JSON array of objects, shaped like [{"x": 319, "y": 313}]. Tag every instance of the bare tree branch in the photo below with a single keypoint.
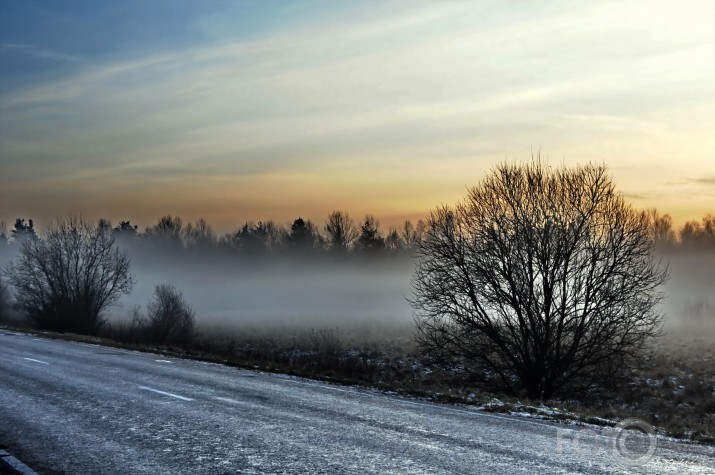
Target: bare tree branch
[
  {"x": 541, "y": 280},
  {"x": 66, "y": 279}
]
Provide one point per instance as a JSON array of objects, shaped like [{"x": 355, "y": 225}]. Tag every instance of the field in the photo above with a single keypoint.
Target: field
[
  {"x": 324, "y": 321},
  {"x": 673, "y": 389}
]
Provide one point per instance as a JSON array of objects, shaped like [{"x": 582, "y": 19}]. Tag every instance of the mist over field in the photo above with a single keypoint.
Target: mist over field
[
  {"x": 322, "y": 292},
  {"x": 354, "y": 293},
  {"x": 689, "y": 305}
]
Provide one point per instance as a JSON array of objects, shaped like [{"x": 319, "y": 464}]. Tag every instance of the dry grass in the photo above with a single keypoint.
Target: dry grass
[{"x": 674, "y": 390}]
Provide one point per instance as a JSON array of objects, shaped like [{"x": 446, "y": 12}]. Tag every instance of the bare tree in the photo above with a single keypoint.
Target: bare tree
[
  {"x": 199, "y": 235},
  {"x": 4, "y": 301},
  {"x": 542, "y": 280},
  {"x": 66, "y": 279},
  {"x": 693, "y": 235},
  {"x": 411, "y": 234},
  {"x": 340, "y": 230},
  {"x": 276, "y": 235},
  {"x": 170, "y": 317},
  {"x": 393, "y": 241},
  {"x": 661, "y": 229},
  {"x": 166, "y": 231},
  {"x": 104, "y": 225}
]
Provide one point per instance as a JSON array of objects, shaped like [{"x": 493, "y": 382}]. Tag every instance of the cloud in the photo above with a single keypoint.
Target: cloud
[
  {"x": 710, "y": 180},
  {"x": 31, "y": 50},
  {"x": 434, "y": 92},
  {"x": 649, "y": 197}
]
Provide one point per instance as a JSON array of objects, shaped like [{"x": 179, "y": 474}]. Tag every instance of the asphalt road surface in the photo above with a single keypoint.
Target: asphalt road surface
[{"x": 79, "y": 408}]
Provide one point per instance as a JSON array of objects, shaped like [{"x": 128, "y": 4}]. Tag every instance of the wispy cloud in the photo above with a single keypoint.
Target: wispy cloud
[
  {"x": 443, "y": 89},
  {"x": 709, "y": 180},
  {"x": 32, "y": 50}
]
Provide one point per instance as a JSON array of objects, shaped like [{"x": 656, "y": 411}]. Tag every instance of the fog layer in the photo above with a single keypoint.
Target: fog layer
[
  {"x": 321, "y": 292},
  {"x": 689, "y": 305},
  {"x": 344, "y": 291}
]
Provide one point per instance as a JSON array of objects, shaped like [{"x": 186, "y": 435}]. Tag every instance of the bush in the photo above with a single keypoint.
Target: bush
[
  {"x": 326, "y": 346},
  {"x": 541, "y": 281},
  {"x": 170, "y": 319},
  {"x": 66, "y": 279}
]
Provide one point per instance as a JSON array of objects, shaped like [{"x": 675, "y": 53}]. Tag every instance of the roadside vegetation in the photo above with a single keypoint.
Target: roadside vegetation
[
  {"x": 540, "y": 294},
  {"x": 169, "y": 318},
  {"x": 673, "y": 389},
  {"x": 66, "y": 280}
]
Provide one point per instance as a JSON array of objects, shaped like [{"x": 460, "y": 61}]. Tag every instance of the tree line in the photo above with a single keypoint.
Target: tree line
[{"x": 339, "y": 234}]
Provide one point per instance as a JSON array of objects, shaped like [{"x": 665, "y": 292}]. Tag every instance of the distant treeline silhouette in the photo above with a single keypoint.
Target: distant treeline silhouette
[{"x": 339, "y": 235}]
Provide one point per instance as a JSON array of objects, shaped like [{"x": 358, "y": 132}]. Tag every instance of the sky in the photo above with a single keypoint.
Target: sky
[{"x": 254, "y": 110}]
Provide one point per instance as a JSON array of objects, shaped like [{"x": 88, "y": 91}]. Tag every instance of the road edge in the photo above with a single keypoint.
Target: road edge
[{"x": 14, "y": 464}]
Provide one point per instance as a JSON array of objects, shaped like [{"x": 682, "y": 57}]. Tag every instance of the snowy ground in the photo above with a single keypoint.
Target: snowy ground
[{"x": 82, "y": 408}]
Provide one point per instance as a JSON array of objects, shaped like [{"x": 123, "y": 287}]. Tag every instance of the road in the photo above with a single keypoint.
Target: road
[{"x": 79, "y": 408}]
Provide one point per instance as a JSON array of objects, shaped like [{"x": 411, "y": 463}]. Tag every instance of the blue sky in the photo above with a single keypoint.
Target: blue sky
[{"x": 240, "y": 111}]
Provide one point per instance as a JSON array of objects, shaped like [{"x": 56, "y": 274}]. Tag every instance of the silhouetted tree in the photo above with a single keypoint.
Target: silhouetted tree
[
  {"x": 21, "y": 230},
  {"x": 661, "y": 229},
  {"x": 393, "y": 241},
  {"x": 125, "y": 230},
  {"x": 104, "y": 225},
  {"x": 65, "y": 280},
  {"x": 340, "y": 231},
  {"x": 249, "y": 238},
  {"x": 167, "y": 231},
  {"x": 709, "y": 226},
  {"x": 303, "y": 235},
  {"x": 411, "y": 234},
  {"x": 258, "y": 238},
  {"x": 200, "y": 234},
  {"x": 170, "y": 319},
  {"x": 540, "y": 281},
  {"x": 370, "y": 238},
  {"x": 695, "y": 235},
  {"x": 690, "y": 234},
  {"x": 275, "y": 235}
]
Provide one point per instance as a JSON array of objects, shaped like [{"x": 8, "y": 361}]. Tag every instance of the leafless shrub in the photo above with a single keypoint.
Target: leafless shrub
[
  {"x": 66, "y": 279},
  {"x": 542, "y": 280},
  {"x": 170, "y": 319},
  {"x": 326, "y": 344}
]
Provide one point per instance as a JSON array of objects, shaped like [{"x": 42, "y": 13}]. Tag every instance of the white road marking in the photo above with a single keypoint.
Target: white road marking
[
  {"x": 18, "y": 466},
  {"x": 36, "y": 361},
  {"x": 162, "y": 361},
  {"x": 226, "y": 399},
  {"x": 165, "y": 393}
]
